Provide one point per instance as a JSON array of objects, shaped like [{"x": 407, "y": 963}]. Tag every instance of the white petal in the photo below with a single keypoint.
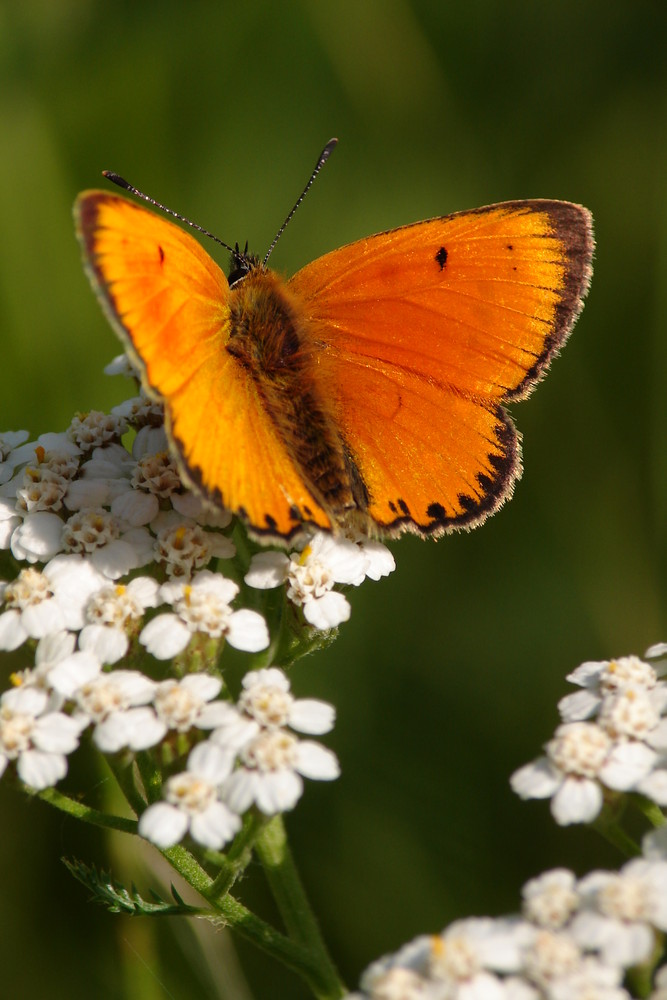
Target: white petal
[
  {"x": 627, "y": 764},
  {"x": 29, "y": 700},
  {"x": 538, "y": 780},
  {"x": 56, "y": 733},
  {"x": 145, "y": 590},
  {"x": 578, "y": 706},
  {"x": 247, "y": 631},
  {"x": 215, "y": 826},
  {"x": 116, "y": 559},
  {"x": 654, "y": 786},
  {"x": 202, "y": 686},
  {"x": 106, "y": 643},
  {"x": 41, "y": 619},
  {"x": 135, "y": 507},
  {"x": 309, "y": 715},
  {"x": 240, "y": 789},
  {"x": 212, "y": 716},
  {"x": 380, "y": 560},
  {"x": 73, "y": 671},
  {"x": 315, "y": 761},
  {"x": 278, "y": 791},
  {"x": 149, "y": 441},
  {"x": 39, "y": 538},
  {"x": 54, "y": 647},
  {"x": 12, "y": 633},
  {"x": 134, "y": 685},
  {"x": 657, "y": 738},
  {"x": 163, "y": 824},
  {"x": 165, "y": 636},
  {"x": 41, "y": 770},
  {"x": 211, "y": 761},
  {"x": 144, "y": 728},
  {"x": 327, "y": 611},
  {"x": 138, "y": 729},
  {"x": 7, "y": 527},
  {"x": 267, "y": 570},
  {"x": 75, "y": 580},
  {"x": 87, "y": 493},
  {"x": 221, "y": 546},
  {"x": 578, "y": 800}
]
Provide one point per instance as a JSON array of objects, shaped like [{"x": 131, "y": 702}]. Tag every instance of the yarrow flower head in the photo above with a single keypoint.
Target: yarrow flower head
[
  {"x": 311, "y": 573},
  {"x": 613, "y": 739}
]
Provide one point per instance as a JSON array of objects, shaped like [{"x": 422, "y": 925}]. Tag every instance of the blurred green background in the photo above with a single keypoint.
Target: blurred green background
[{"x": 447, "y": 676}]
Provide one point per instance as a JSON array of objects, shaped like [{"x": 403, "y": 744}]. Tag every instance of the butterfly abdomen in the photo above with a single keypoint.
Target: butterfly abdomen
[{"x": 270, "y": 339}]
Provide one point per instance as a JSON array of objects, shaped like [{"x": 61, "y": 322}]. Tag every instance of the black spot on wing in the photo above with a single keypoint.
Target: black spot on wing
[{"x": 441, "y": 258}]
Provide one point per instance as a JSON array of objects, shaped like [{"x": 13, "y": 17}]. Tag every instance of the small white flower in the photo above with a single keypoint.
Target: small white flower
[
  {"x": 310, "y": 576},
  {"x": 406, "y": 970},
  {"x": 41, "y": 490},
  {"x": 266, "y": 698},
  {"x": 51, "y": 650},
  {"x": 192, "y": 803},
  {"x": 50, "y": 600},
  {"x": 140, "y": 411},
  {"x": 112, "y": 613},
  {"x": 550, "y": 899},
  {"x": 9, "y": 442},
  {"x": 112, "y": 549},
  {"x": 549, "y": 956},
  {"x": 634, "y": 713},
  {"x": 203, "y": 605},
  {"x": 580, "y": 758},
  {"x": 271, "y": 769},
  {"x": 590, "y": 980},
  {"x": 184, "y": 546},
  {"x": 37, "y": 739},
  {"x": 95, "y": 429},
  {"x": 620, "y": 910},
  {"x": 189, "y": 702},
  {"x": 121, "y": 365},
  {"x": 116, "y": 703}
]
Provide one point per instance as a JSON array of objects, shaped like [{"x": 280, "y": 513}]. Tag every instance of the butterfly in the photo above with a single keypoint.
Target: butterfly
[{"x": 368, "y": 391}]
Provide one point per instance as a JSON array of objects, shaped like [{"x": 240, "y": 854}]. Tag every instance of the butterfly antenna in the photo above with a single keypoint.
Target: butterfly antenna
[
  {"x": 122, "y": 183},
  {"x": 323, "y": 157}
]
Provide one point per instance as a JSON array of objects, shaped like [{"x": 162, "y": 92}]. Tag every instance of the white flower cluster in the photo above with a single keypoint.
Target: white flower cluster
[
  {"x": 613, "y": 739},
  {"x": 116, "y": 556},
  {"x": 575, "y": 940},
  {"x": 250, "y": 758}
]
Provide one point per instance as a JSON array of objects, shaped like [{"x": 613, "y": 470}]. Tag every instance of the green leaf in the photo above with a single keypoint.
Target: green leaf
[{"x": 117, "y": 899}]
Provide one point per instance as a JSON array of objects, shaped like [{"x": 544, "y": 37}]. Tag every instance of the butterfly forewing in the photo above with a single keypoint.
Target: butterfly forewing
[{"x": 168, "y": 300}]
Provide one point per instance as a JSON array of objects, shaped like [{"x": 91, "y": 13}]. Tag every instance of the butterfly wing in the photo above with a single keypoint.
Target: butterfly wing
[
  {"x": 427, "y": 331},
  {"x": 168, "y": 301}
]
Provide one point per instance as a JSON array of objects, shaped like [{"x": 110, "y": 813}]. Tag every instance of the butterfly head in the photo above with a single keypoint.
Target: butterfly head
[{"x": 241, "y": 264}]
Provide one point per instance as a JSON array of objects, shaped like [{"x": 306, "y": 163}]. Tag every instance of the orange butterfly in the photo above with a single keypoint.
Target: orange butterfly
[{"x": 368, "y": 390}]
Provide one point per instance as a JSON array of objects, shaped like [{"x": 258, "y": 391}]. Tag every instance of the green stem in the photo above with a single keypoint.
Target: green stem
[
  {"x": 616, "y": 835},
  {"x": 650, "y": 810},
  {"x": 238, "y": 857},
  {"x": 273, "y": 851},
  {"x": 85, "y": 813},
  {"x": 307, "y": 962},
  {"x": 297, "y": 958}
]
